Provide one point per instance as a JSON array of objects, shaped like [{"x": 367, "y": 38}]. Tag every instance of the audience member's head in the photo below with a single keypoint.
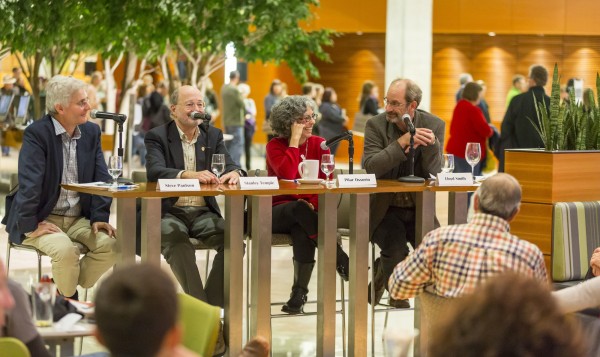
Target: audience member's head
[
  {"x": 308, "y": 89},
  {"x": 465, "y": 78},
  {"x": 275, "y": 88},
  {"x": 538, "y": 75},
  {"x": 519, "y": 82},
  {"x": 234, "y": 77},
  {"x": 136, "y": 311},
  {"x": 6, "y": 299},
  {"x": 329, "y": 95},
  {"x": 287, "y": 111},
  {"x": 244, "y": 88},
  {"x": 499, "y": 195},
  {"x": 510, "y": 315},
  {"x": 472, "y": 92}
]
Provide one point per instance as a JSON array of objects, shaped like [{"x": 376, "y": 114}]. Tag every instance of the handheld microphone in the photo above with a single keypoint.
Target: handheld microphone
[
  {"x": 326, "y": 144},
  {"x": 409, "y": 123},
  {"x": 119, "y": 118},
  {"x": 200, "y": 116}
]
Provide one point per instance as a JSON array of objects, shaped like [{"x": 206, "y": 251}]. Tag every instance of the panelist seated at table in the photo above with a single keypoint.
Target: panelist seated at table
[
  {"x": 178, "y": 150},
  {"x": 386, "y": 154},
  {"x": 15, "y": 316},
  {"x": 63, "y": 147},
  {"x": 454, "y": 260},
  {"x": 293, "y": 119}
]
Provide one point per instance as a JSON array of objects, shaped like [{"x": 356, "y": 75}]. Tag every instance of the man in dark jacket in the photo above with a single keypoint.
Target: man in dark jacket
[
  {"x": 517, "y": 129},
  {"x": 63, "y": 147}
]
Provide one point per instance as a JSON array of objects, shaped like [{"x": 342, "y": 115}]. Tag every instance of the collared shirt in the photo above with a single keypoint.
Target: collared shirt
[
  {"x": 453, "y": 260},
  {"x": 189, "y": 158},
  {"x": 68, "y": 201}
]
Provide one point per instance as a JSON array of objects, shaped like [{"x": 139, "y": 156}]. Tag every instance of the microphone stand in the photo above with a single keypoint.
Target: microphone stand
[
  {"x": 411, "y": 153},
  {"x": 205, "y": 126},
  {"x": 350, "y": 155},
  {"x": 121, "y": 180}
]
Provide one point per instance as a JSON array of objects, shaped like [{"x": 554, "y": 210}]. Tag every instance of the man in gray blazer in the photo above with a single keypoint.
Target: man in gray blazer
[{"x": 392, "y": 218}]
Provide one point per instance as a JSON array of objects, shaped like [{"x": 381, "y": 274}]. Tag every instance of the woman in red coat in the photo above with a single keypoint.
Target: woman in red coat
[
  {"x": 468, "y": 126},
  {"x": 293, "y": 119}
]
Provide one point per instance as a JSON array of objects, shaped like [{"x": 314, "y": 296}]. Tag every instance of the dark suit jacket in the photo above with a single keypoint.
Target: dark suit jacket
[
  {"x": 40, "y": 174},
  {"x": 164, "y": 158},
  {"x": 385, "y": 158}
]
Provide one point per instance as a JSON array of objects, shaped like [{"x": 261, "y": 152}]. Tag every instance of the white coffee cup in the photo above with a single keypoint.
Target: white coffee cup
[{"x": 309, "y": 169}]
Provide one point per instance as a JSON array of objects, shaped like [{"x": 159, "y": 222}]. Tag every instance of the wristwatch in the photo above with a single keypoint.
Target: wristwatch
[{"x": 240, "y": 172}]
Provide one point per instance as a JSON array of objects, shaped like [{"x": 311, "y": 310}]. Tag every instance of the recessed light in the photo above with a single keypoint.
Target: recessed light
[{"x": 491, "y": 34}]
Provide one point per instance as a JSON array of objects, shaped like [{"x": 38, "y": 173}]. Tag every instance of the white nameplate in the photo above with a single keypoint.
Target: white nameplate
[
  {"x": 357, "y": 180},
  {"x": 259, "y": 183},
  {"x": 178, "y": 185},
  {"x": 455, "y": 179}
]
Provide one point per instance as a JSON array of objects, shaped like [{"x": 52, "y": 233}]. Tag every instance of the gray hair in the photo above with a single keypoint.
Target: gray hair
[
  {"x": 499, "y": 195},
  {"x": 175, "y": 96},
  {"x": 412, "y": 93},
  {"x": 285, "y": 112},
  {"x": 244, "y": 89},
  {"x": 59, "y": 91},
  {"x": 465, "y": 78}
]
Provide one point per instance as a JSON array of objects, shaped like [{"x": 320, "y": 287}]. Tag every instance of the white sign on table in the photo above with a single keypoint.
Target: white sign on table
[
  {"x": 178, "y": 185},
  {"x": 455, "y": 179},
  {"x": 357, "y": 180},
  {"x": 259, "y": 183}
]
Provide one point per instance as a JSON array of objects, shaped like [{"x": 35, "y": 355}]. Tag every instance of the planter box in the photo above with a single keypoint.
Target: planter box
[{"x": 555, "y": 176}]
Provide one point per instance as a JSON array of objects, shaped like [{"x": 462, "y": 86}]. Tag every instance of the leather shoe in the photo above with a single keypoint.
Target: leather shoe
[
  {"x": 379, "y": 282},
  {"x": 221, "y": 346},
  {"x": 343, "y": 263},
  {"x": 399, "y": 304}
]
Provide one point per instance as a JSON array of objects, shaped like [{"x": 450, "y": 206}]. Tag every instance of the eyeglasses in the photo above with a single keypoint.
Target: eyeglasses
[
  {"x": 393, "y": 103},
  {"x": 82, "y": 103},
  {"x": 307, "y": 118},
  {"x": 192, "y": 105}
]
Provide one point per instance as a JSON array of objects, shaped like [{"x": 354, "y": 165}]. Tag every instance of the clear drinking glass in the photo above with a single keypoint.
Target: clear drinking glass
[
  {"x": 115, "y": 168},
  {"x": 448, "y": 164},
  {"x": 218, "y": 164},
  {"x": 473, "y": 155},
  {"x": 327, "y": 165}
]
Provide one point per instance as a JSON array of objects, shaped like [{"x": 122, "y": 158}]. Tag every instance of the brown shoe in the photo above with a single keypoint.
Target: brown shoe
[
  {"x": 399, "y": 304},
  {"x": 379, "y": 282}
]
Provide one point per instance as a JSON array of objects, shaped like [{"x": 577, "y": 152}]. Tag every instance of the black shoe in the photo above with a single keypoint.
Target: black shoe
[
  {"x": 295, "y": 304},
  {"x": 343, "y": 263},
  {"x": 399, "y": 304},
  {"x": 379, "y": 282},
  {"x": 221, "y": 346}
]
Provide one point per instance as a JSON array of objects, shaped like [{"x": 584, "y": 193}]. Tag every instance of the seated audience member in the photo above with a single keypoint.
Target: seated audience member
[
  {"x": 510, "y": 315},
  {"x": 453, "y": 260},
  {"x": 293, "y": 119},
  {"x": 63, "y": 147},
  {"x": 136, "y": 315}
]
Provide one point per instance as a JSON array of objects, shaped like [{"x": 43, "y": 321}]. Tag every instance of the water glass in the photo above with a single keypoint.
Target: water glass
[
  {"x": 327, "y": 165},
  {"x": 115, "y": 168},
  {"x": 218, "y": 164},
  {"x": 448, "y": 164},
  {"x": 43, "y": 296},
  {"x": 473, "y": 155}
]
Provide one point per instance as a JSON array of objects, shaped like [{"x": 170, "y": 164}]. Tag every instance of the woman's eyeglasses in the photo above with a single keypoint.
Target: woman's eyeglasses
[{"x": 306, "y": 119}]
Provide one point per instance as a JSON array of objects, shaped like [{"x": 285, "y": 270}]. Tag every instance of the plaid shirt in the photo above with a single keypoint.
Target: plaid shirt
[
  {"x": 68, "y": 201},
  {"x": 454, "y": 260},
  {"x": 189, "y": 158}
]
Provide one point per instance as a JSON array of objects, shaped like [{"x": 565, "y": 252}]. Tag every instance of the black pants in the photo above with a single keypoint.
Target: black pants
[
  {"x": 248, "y": 134},
  {"x": 394, "y": 232},
  {"x": 301, "y": 222}
]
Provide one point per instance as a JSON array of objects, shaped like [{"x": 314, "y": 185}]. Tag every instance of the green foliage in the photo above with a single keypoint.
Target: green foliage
[{"x": 569, "y": 125}]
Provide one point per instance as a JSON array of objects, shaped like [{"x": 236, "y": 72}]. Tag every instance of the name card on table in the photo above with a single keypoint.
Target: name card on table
[
  {"x": 259, "y": 183},
  {"x": 178, "y": 185},
  {"x": 455, "y": 179},
  {"x": 357, "y": 180}
]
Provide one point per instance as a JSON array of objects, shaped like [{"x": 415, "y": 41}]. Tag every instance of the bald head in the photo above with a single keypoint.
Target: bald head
[{"x": 499, "y": 195}]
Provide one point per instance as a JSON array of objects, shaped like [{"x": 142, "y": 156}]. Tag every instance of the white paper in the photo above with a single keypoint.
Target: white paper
[
  {"x": 168, "y": 185},
  {"x": 357, "y": 180},
  {"x": 455, "y": 179},
  {"x": 259, "y": 183}
]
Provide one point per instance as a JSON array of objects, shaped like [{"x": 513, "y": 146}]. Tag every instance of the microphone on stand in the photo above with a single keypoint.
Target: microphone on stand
[
  {"x": 119, "y": 118},
  {"x": 200, "y": 116},
  {"x": 411, "y": 129},
  {"x": 336, "y": 139}
]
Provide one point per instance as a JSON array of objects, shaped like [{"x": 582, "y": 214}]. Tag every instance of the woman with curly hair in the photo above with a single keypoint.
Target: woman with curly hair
[{"x": 293, "y": 119}]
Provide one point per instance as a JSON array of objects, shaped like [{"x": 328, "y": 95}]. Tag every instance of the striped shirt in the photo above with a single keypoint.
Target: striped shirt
[
  {"x": 68, "y": 201},
  {"x": 189, "y": 158},
  {"x": 454, "y": 260}
]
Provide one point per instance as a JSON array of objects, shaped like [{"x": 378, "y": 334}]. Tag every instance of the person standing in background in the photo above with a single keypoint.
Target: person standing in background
[
  {"x": 518, "y": 86},
  {"x": 463, "y": 79},
  {"x": 233, "y": 116},
  {"x": 249, "y": 121},
  {"x": 334, "y": 119},
  {"x": 369, "y": 98},
  {"x": 275, "y": 94},
  {"x": 10, "y": 89}
]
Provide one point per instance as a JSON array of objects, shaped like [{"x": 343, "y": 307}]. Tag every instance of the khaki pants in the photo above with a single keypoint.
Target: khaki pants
[{"x": 67, "y": 270}]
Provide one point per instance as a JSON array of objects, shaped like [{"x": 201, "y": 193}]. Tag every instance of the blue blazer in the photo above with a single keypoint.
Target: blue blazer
[{"x": 40, "y": 173}]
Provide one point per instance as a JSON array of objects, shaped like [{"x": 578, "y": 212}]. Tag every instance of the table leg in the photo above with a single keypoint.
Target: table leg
[
  {"x": 151, "y": 234},
  {"x": 126, "y": 217},
  {"x": 457, "y": 207},
  {"x": 326, "y": 296},
  {"x": 260, "y": 273},
  {"x": 357, "y": 291},
  {"x": 234, "y": 282}
]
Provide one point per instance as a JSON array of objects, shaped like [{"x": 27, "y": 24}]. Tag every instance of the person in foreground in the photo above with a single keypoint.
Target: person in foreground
[
  {"x": 510, "y": 315},
  {"x": 136, "y": 316},
  {"x": 15, "y": 316},
  {"x": 454, "y": 260},
  {"x": 292, "y": 119},
  {"x": 177, "y": 150},
  {"x": 63, "y": 147},
  {"x": 392, "y": 215}
]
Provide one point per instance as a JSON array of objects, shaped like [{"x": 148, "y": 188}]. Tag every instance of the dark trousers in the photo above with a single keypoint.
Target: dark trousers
[
  {"x": 177, "y": 226},
  {"x": 392, "y": 235},
  {"x": 297, "y": 219},
  {"x": 248, "y": 134}
]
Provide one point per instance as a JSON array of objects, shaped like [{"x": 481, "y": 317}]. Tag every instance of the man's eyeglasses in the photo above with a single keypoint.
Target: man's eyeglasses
[
  {"x": 393, "y": 103},
  {"x": 307, "y": 118},
  {"x": 192, "y": 105},
  {"x": 82, "y": 103}
]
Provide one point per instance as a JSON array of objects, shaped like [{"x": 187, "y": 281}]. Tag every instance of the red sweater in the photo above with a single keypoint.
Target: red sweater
[
  {"x": 282, "y": 161},
  {"x": 468, "y": 126}
]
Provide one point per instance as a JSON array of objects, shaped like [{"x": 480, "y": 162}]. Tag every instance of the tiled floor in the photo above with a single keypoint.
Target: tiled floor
[{"x": 292, "y": 336}]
